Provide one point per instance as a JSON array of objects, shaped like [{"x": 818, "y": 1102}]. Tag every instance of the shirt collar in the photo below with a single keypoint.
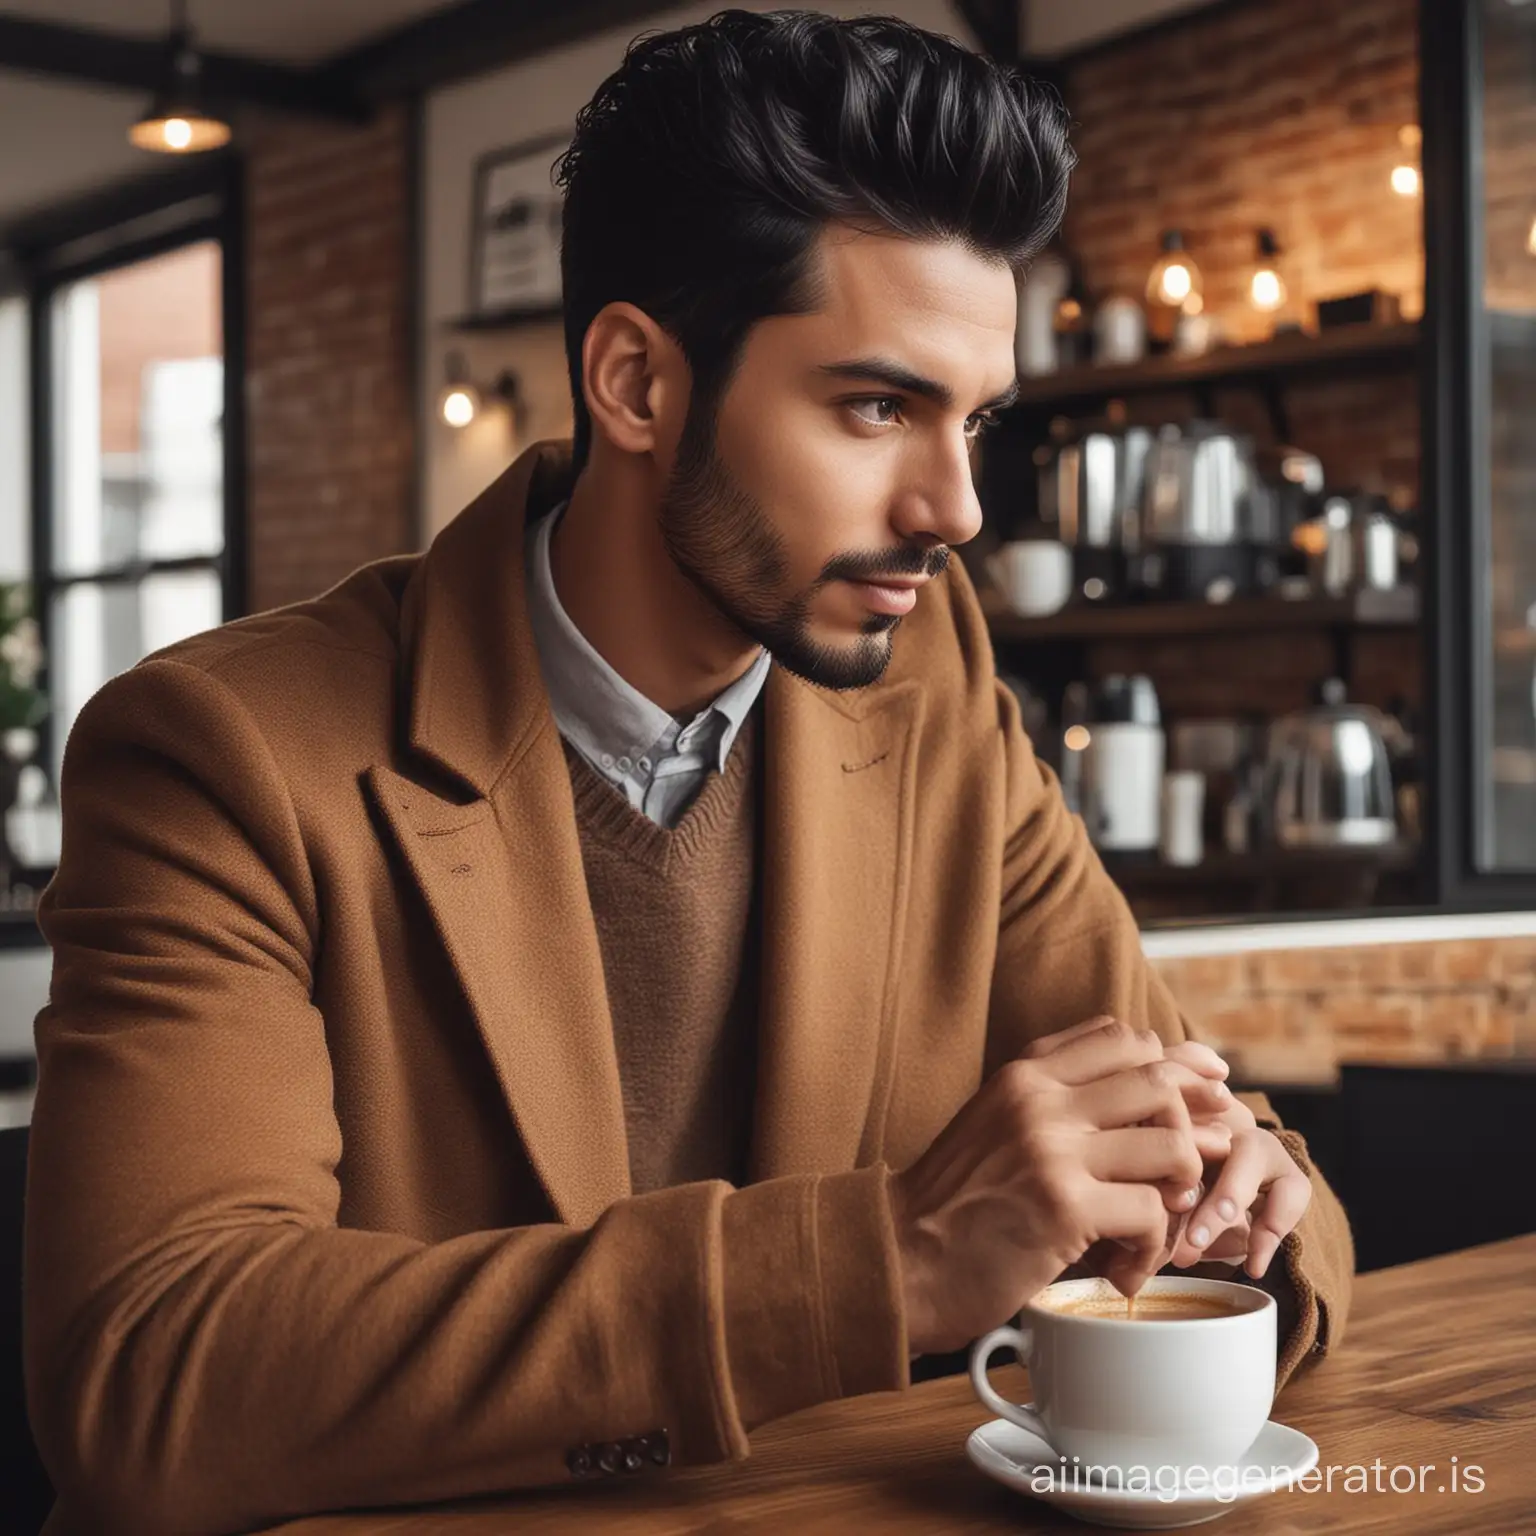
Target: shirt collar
[{"x": 594, "y": 707}]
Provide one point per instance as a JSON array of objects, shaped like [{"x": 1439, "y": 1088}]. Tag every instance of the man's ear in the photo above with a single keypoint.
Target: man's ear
[{"x": 634, "y": 380}]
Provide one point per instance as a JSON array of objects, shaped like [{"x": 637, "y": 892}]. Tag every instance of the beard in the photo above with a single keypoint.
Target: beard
[{"x": 724, "y": 543}]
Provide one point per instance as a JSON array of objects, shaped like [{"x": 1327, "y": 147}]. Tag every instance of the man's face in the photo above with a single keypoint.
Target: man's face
[{"x": 817, "y": 477}]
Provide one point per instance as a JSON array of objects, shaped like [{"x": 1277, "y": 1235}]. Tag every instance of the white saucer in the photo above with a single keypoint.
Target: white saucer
[{"x": 1011, "y": 1455}]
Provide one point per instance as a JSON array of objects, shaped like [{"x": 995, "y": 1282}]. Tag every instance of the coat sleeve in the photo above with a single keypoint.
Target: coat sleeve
[
  {"x": 206, "y": 1349},
  {"x": 1069, "y": 949}
]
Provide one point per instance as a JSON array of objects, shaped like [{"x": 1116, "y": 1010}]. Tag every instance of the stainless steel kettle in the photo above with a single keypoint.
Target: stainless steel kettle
[{"x": 1328, "y": 776}]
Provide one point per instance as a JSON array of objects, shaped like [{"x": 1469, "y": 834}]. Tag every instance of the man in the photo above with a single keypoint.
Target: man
[{"x": 547, "y": 1007}]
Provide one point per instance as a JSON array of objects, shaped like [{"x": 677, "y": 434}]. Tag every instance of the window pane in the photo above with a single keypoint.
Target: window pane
[
  {"x": 138, "y": 402},
  {"x": 15, "y": 427},
  {"x": 1507, "y": 825},
  {"x": 99, "y": 630}
]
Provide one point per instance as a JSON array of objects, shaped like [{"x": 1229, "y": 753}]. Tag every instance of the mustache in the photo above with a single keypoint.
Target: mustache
[{"x": 900, "y": 562}]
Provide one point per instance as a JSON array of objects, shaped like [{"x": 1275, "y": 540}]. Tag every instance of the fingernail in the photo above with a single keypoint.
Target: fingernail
[
  {"x": 1221, "y": 1090},
  {"x": 1200, "y": 1236},
  {"x": 1189, "y": 1196},
  {"x": 1226, "y": 1210}
]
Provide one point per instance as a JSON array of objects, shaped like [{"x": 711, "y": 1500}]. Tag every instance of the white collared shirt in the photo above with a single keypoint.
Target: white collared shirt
[{"x": 659, "y": 762}]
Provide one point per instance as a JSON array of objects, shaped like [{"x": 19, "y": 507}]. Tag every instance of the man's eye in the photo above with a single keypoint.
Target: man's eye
[{"x": 877, "y": 402}]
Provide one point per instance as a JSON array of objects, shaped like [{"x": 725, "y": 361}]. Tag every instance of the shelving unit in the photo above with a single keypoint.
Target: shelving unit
[
  {"x": 1397, "y": 608},
  {"x": 1266, "y": 365},
  {"x": 503, "y": 320}
]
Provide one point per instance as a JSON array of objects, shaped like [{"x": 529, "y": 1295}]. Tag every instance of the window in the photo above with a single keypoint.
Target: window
[
  {"x": 137, "y": 516},
  {"x": 121, "y": 482}
]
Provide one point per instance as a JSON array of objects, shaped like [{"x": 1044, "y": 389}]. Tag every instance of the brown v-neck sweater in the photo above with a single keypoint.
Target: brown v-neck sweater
[{"x": 678, "y": 923}]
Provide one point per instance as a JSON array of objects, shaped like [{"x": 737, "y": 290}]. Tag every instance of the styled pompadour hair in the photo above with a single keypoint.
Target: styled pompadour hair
[{"x": 705, "y": 167}]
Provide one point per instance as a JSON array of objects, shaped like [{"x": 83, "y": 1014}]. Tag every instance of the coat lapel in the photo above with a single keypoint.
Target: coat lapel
[
  {"x": 838, "y": 806},
  {"x": 503, "y": 880},
  {"x": 486, "y": 826}
]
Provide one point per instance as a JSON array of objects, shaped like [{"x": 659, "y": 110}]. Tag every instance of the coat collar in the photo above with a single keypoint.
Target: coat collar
[{"x": 496, "y": 854}]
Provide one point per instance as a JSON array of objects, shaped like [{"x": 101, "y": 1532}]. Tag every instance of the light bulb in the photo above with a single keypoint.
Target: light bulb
[
  {"x": 1076, "y": 738},
  {"x": 1405, "y": 180},
  {"x": 459, "y": 407},
  {"x": 177, "y": 132},
  {"x": 1266, "y": 289},
  {"x": 1176, "y": 282}
]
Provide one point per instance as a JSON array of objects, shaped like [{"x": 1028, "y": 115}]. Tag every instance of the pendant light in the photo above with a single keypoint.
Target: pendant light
[
  {"x": 178, "y": 121},
  {"x": 1266, "y": 288},
  {"x": 1405, "y": 174},
  {"x": 1174, "y": 287}
]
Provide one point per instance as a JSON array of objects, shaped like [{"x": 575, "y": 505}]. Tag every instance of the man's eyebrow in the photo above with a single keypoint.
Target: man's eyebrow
[{"x": 884, "y": 370}]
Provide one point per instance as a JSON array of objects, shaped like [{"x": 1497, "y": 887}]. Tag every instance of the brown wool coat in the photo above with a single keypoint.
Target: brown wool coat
[{"x": 329, "y": 1201}]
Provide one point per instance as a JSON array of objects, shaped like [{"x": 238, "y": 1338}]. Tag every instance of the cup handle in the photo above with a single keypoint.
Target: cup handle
[{"x": 1019, "y": 1340}]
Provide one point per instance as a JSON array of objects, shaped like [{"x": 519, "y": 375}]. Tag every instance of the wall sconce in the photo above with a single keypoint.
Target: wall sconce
[
  {"x": 1405, "y": 174},
  {"x": 1174, "y": 287},
  {"x": 462, "y": 400},
  {"x": 1266, "y": 288}
]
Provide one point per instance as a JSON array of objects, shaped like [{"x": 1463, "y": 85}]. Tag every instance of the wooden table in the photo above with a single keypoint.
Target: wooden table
[{"x": 1440, "y": 1361}]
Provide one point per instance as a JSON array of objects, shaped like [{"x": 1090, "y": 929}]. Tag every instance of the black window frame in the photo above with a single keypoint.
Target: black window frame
[
  {"x": 199, "y": 201},
  {"x": 1454, "y": 412}
]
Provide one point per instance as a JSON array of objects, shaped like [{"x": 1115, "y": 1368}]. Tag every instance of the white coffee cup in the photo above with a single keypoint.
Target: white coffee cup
[
  {"x": 1185, "y": 1393},
  {"x": 1035, "y": 575}
]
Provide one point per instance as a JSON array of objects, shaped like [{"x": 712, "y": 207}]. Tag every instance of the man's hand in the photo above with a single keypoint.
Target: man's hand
[
  {"x": 1257, "y": 1193},
  {"x": 1087, "y": 1137}
]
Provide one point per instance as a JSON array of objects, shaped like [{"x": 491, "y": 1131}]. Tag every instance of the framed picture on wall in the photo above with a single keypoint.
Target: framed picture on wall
[{"x": 514, "y": 247}]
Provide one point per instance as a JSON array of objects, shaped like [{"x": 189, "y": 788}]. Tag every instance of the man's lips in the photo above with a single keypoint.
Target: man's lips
[{"x": 893, "y": 594}]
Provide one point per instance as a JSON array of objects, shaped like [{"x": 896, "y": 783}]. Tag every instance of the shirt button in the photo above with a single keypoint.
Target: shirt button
[
  {"x": 645, "y": 765},
  {"x": 625, "y": 765},
  {"x": 607, "y": 760}
]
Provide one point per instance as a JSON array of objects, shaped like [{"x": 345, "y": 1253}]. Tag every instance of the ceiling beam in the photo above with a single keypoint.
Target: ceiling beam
[
  {"x": 472, "y": 37},
  {"x": 139, "y": 64}
]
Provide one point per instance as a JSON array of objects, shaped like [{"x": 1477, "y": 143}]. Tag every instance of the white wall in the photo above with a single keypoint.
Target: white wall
[{"x": 490, "y": 112}]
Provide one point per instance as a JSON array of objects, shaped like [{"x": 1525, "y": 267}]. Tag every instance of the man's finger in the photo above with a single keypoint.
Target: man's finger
[
  {"x": 1236, "y": 1188},
  {"x": 1096, "y": 1053},
  {"x": 1203, "y": 1095},
  {"x": 1284, "y": 1204},
  {"x": 1046, "y": 1044},
  {"x": 1197, "y": 1057}
]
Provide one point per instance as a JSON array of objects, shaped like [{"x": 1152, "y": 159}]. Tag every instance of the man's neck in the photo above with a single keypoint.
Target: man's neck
[{"x": 619, "y": 586}]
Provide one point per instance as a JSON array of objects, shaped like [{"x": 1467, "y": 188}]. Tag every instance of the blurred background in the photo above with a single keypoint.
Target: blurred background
[{"x": 279, "y": 294}]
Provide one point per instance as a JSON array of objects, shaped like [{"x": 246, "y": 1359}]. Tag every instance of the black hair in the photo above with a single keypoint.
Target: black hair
[{"x": 702, "y": 172}]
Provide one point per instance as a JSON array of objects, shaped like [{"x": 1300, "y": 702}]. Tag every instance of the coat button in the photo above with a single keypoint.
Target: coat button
[
  {"x": 633, "y": 1460},
  {"x": 579, "y": 1460},
  {"x": 609, "y": 1457},
  {"x": 658, "y": 1448}
]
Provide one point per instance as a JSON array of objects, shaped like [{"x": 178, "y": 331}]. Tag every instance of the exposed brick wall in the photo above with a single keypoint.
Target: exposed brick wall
[
  {"x": 1278, "y": 113},
  {"x": 329, "y": 393},
  {"x": 1292, "y": 1014}
]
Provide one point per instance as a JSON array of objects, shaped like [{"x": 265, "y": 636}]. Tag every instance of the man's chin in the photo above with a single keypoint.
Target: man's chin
[{"x": 841, "y": 667}]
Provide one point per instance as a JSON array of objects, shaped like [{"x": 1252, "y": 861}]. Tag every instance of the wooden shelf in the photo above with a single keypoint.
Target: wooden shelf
[
  {"x": 1222, "y": 868},
  {"x": 504, "y": 320},
  {"x": 1285, "y": 355},
  {"x": 1397, "y": 608}
]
